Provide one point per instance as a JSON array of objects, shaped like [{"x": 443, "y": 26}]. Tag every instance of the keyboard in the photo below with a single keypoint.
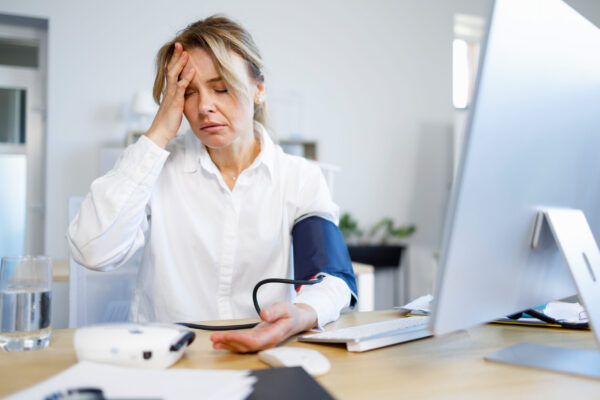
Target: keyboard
[{"x": 371, "y": 336}]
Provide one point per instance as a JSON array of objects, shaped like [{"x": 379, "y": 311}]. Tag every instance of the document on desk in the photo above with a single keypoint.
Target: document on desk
[
  {"x": 566, "y": 312},
  {"x": 137, "y": 383},
  {"x": 559, "y": 310},
  {"x": 420, "y": 305}
]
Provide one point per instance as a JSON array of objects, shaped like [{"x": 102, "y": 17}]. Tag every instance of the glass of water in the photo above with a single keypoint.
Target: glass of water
[{"x": 25, "y": 293}]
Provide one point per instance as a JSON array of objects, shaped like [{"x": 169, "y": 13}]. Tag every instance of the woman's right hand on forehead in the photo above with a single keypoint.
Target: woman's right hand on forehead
[{"x": 168, "y": 117}]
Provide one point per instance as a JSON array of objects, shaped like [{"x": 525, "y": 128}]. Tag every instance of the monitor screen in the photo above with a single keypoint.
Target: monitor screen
[{"x": 532, "y": 141}]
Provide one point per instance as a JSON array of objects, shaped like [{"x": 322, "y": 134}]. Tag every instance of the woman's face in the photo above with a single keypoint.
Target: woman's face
[{"x": 216, "y": 116}]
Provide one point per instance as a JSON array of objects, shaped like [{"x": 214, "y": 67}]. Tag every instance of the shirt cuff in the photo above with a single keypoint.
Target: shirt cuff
[
  {"x": 328, "y": 298},
  {"x": 142, "y": 161}
]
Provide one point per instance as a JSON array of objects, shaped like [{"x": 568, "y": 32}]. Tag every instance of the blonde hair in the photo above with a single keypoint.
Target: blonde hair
[{"x": 217, "y": 35}]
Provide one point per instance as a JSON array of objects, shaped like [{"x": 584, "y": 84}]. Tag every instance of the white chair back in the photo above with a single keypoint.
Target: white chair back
[{"x": 94, "y": 296}]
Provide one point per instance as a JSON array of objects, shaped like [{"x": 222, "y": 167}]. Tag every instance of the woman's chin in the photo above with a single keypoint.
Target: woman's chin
[{"x": 214, "y": 141}]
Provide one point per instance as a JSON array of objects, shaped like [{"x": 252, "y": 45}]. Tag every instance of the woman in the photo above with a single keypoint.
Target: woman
[{"x": 216, "y": 208}]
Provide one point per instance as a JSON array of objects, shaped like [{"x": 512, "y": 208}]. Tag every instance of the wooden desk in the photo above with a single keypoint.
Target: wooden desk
[
  {"x": 446, "y": 367},
  {"x": 60, "y": 270}
]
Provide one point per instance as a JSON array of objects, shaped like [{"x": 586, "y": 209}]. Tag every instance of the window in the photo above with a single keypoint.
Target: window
[
  {"x": 22, "y": 135},
  {"x": 468, "y": 31},
  {"x": 12, "y": 115}
]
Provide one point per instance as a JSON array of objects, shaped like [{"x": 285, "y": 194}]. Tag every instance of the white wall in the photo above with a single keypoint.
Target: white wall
[
  {"x": 368, "y": 73},
  {"x": 375, "y": 78}
]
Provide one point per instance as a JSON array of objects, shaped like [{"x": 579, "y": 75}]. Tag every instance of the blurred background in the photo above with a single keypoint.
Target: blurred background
[{"x": 376, "y": 91}]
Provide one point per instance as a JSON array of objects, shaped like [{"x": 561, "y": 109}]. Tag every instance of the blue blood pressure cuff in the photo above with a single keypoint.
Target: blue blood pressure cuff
[{"x": 319, "y": 247}]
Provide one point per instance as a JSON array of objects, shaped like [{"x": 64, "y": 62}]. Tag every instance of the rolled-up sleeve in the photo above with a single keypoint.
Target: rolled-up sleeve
[
  {"x": 113, "y": 218},
  {"x": 329, "y": 297}
]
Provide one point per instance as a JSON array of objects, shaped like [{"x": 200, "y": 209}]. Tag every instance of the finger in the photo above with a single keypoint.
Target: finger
[
  {"x": 248, "y": 340},
  {"x": 173, "y": 61},
  {"x": 244, "y": 342},
  {"x": 175, "y": 70},
  {"x": 178, "y": 49},
  {"x": 234, "y": 343},
  {"x": 218, "y": 336},
  {"x": 241, "y": 347},
  {"x": 235, "y": 347},
  {"x": 230, "y": 338},
  {"x": 183, "y": 83},
  {"x": 186, "y": 69},
  {"x": 226, "y": 335},
  {"x": 225, "y": 346}
]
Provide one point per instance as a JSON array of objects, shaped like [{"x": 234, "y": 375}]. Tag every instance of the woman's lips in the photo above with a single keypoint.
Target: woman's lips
[{"x": 211, "y": 127}]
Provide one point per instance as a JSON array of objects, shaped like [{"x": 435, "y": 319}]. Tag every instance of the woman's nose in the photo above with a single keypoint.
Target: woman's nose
[{"x": 206, "y": 105}]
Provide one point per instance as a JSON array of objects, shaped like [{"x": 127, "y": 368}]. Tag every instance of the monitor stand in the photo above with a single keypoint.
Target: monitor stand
[{"x": 574, "y": 238}]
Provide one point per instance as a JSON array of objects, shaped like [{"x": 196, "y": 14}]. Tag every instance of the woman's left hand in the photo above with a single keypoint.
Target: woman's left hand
[{"x": 280, "y": 321}]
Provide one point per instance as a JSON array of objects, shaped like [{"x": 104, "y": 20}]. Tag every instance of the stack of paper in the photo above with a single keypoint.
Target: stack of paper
[{"x": 134, "y": 383}]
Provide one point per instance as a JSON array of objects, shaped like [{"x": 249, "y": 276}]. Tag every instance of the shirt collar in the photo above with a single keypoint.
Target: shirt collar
[
  {"x": 197, "y": 154},
  {"x": 266, "y": 156}
]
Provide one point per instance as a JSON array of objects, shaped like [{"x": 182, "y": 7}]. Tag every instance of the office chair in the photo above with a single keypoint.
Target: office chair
[{"x": 96, "y": 297}]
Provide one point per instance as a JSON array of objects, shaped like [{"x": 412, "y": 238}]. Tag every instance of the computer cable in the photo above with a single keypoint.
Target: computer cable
[
  {"x": 543, "y": 317},
  {"x": 317, "y": 279}
]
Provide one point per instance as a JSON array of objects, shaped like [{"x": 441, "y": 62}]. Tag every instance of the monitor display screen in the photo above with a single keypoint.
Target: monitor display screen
[{"x": 532, "y": 141}]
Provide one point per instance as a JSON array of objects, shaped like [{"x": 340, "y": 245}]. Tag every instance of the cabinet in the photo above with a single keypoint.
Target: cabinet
[
  {"x": 387, "y": 261},
  {"x": 299, "y": 147}
]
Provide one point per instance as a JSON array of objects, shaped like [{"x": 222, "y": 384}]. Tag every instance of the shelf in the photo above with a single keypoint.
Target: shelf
[{"x": 302, "y": 148}]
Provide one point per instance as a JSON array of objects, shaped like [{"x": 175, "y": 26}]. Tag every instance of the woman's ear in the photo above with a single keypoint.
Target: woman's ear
[{"x": 259, "y": 95}]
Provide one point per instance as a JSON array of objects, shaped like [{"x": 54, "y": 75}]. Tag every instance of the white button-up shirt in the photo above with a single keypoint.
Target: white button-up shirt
[{"x": 206, "y": 246}]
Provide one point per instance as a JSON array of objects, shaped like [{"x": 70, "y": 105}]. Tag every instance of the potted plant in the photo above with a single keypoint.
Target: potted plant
[
  {"x": 349, "y": 228},
  {"x": 382, "y": 246}
]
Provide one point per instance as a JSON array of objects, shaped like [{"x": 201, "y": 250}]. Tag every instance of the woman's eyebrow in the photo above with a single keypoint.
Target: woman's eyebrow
[{"x": 215, "y": 79}]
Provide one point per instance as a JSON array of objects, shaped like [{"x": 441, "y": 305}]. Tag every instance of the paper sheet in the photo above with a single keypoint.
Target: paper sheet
[
  {"x": 566, "y": 312},
  {"x": 422, "y": 304},
  {"x": 122, "y": 382}
]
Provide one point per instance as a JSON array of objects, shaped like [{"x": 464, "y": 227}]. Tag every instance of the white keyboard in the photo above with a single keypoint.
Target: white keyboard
[{"x": 372, "y": 336}]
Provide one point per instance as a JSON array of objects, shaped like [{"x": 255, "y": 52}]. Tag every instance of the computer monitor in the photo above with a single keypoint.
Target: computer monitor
[{"x": 532, "y": 141}]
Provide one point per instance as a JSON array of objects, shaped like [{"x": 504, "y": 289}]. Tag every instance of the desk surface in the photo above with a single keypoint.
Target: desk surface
[{"x": 450, "y": 366}]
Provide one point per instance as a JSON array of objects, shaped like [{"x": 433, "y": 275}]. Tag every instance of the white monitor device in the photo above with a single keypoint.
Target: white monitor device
[{"x": 532, "y": 144}]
